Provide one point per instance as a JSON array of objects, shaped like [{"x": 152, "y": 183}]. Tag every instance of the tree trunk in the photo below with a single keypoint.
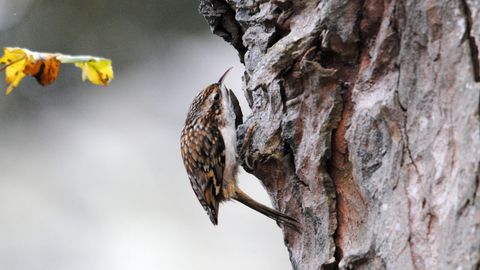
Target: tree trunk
[{"x": 364, "y": 126}]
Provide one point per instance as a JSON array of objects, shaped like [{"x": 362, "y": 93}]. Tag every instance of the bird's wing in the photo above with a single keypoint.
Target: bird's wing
[
  {"x": 205, "y": 161},
  {"x": 236, "y": 109}
]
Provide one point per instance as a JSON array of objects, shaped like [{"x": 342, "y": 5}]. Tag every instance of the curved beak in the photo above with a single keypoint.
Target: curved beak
[{"x": 220, "y": 82}]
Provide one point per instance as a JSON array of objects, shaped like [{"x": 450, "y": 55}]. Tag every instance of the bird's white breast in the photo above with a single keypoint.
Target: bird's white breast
[{"x": 229, "y": 135}]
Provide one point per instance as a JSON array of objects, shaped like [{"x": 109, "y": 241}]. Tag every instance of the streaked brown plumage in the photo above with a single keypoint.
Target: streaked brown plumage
[{"x": 208, "y": 146}]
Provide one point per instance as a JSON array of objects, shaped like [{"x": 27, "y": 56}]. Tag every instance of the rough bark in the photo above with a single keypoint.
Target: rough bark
[{"x": 364, "y": 126}]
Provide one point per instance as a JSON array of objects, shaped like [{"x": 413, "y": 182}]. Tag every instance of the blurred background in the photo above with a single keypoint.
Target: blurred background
[{"x": 91, "y": 177}]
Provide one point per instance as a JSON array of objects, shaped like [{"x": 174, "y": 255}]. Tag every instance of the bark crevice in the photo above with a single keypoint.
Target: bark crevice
[{"x": 471, "y": 40}]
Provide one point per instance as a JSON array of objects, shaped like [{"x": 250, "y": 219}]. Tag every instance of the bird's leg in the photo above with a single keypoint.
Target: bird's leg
[{"x": 246, "y": 144}]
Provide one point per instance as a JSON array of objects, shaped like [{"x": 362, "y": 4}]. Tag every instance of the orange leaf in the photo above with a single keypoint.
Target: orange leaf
[{"x": 44, "y": 67}]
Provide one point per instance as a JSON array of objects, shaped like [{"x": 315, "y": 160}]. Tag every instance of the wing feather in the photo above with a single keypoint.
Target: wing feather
[{"x": 205, "y": 163}]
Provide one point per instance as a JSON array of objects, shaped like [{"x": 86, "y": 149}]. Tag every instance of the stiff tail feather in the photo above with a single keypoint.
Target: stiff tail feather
[{"x": 267, "y": 211}]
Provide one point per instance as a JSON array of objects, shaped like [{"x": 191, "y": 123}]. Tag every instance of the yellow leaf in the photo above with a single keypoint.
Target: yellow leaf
[
  {"x": 98, "y": 72},
  {"x": 15, "y": 59}
]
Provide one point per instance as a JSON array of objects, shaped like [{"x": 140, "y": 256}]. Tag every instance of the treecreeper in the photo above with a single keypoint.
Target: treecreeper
[{"x": 208, "y": 146}]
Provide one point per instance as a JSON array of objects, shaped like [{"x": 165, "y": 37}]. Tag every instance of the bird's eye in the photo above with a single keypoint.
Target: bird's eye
[{"x": 216, "y": 97}]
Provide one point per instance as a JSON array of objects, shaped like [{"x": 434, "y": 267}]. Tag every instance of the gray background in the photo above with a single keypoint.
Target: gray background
[{"x": 91, "y": 177}]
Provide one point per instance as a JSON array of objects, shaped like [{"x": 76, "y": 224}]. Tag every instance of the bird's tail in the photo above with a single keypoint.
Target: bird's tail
[{"x": 267, "y": 211}]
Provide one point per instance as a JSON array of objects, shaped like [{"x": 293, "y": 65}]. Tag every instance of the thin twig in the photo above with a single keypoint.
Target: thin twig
[{"x": 9, "y": 64}]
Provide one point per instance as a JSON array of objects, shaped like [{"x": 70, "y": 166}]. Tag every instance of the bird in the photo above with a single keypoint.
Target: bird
[{"x": 208, "y": 148}]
